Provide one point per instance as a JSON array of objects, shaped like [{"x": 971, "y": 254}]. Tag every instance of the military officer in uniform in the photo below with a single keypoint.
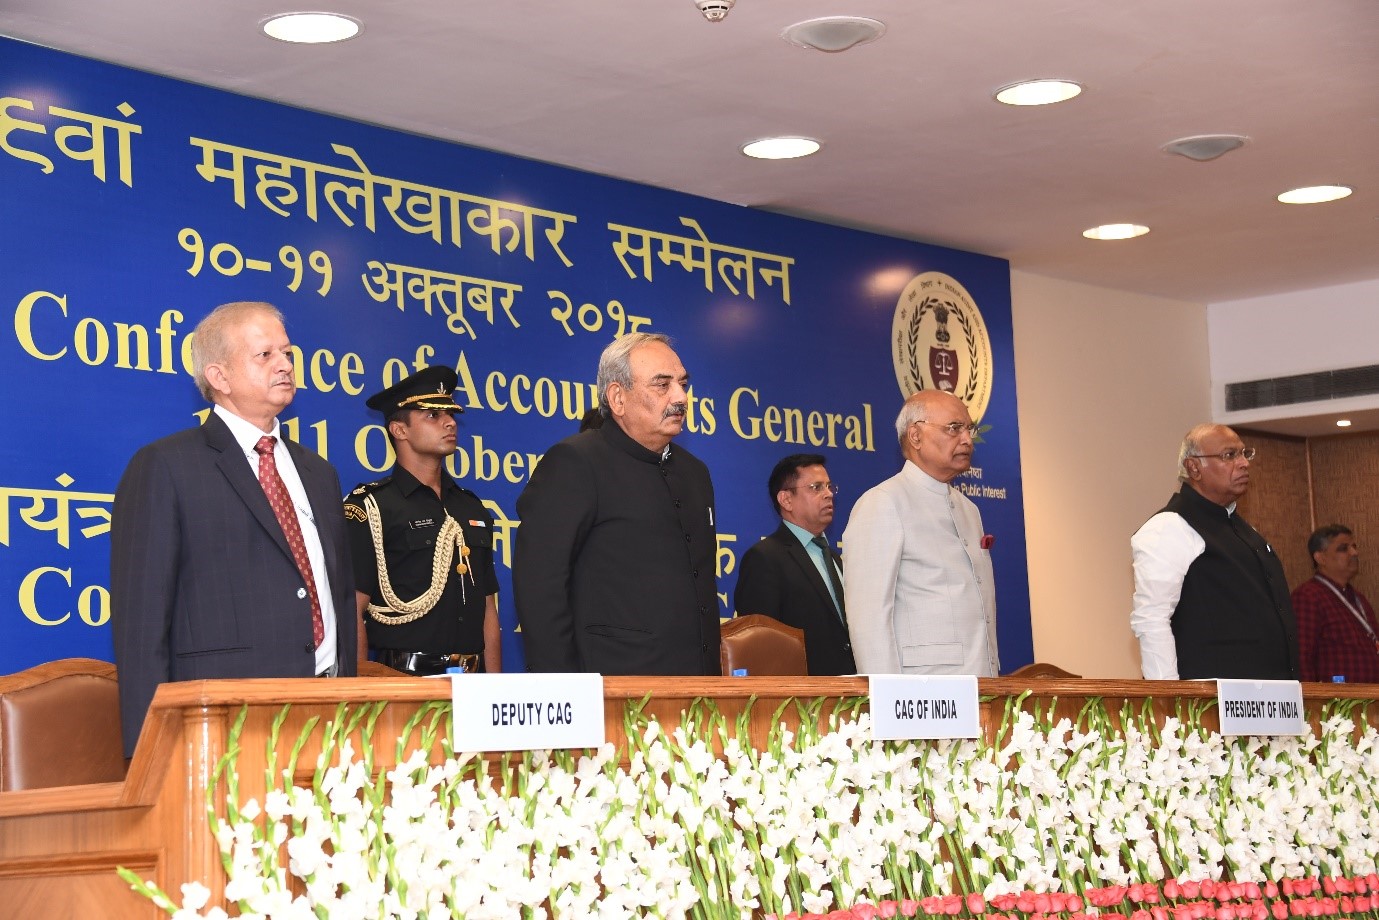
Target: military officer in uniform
[{"x": 422, "y": 546}]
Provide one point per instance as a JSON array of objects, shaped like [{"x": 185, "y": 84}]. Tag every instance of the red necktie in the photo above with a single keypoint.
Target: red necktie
[{"x": 276, "y": 490}]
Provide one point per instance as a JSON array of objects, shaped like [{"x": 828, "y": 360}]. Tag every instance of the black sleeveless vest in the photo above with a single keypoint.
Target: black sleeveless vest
[{"x": 1234, "y": 617}]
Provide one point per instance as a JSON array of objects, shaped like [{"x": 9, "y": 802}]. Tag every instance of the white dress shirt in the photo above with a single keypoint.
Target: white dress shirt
[
  {"x": 247, "y": 435},
  {"x": 817, "y": 556},
  {"x": 1162, "y": 551}
]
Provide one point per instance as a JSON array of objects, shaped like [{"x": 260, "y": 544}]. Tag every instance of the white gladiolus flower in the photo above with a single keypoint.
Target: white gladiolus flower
[
  {"x": 832, "y": 814},
  {"x": 194, "y": 896}
]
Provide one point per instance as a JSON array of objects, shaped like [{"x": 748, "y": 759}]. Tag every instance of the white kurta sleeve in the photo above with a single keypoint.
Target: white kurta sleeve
[
  {"x": 1162, "y": 551},
  {"x": 872, "y": 545}
]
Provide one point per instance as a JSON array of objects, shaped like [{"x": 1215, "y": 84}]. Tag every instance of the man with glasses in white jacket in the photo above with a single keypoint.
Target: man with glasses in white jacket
[{"x": 921, "y": 597}]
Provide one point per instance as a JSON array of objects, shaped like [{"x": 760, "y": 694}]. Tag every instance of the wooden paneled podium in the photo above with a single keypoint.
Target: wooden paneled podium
[{"x": 59, "y": 847}]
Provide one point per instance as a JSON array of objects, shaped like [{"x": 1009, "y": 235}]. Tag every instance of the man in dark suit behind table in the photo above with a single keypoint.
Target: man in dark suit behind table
[
  {"x": 228, "y": 551},
  {"x": 787, "y": 575},
  {"x": 613, "y": 570}
]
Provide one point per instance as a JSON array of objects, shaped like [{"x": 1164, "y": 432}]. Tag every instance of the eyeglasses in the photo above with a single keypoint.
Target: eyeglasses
[
  {"x": 953, "y": 428},
  {"x": 1229, "y": 455},
  {"x": 818, "y": 487}
]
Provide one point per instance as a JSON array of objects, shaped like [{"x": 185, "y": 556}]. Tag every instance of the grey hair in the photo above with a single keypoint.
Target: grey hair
[
  {"x": 211, "y": 341},
  {"x": 912, "y": 411},
  {"x": 615, "y": 364},
  {"x": 1192, "y": 445}
]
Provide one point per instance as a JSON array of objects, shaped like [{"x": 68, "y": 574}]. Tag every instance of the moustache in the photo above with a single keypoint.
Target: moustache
[{"x": 674, "y": 409}]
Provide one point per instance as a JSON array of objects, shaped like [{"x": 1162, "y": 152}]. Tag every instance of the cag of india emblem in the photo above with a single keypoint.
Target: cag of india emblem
[{"x": 939, "y": 342}]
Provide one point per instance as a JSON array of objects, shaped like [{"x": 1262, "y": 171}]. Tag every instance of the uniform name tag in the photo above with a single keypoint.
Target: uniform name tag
[
  {"x": 1260, "y": 707},
  {"x": 424, "y": 522},
  {"x": 525, "y": 712},
  {"x": 907, "y": 706}
]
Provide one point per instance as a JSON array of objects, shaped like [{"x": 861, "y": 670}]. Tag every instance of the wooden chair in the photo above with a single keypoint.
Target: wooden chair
[
  {"x": 1042, "y": 670},
  {"x": 762, "y": 646},
  {"x": 374, "y": 669},
  {"x": 60, "y": 726}
]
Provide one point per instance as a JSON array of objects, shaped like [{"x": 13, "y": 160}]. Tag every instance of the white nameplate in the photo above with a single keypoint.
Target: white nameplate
[
  {"x": 1260, "y": 707},
  {"x": 907, "y": 706},
  {"x": 525, "y": 712}
]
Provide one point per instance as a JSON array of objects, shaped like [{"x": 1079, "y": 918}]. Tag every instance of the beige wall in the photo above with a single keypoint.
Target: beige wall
[
  {"x": 1274, "y": 336},
  {"x": 1108, "y": 383}
]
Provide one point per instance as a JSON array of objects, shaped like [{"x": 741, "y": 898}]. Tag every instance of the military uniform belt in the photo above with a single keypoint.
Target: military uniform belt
[{"x": 427, "y": 663}]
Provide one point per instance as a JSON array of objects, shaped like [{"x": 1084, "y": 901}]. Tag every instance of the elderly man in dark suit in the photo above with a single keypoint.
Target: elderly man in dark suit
[
  {"x": 613, "y": 570},
  {"x": 1211, "y": 599},
  {"x": 228, "y": 551},
  {"x": 793, "y": 575}
]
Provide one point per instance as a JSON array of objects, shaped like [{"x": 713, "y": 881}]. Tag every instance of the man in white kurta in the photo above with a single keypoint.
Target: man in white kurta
[{"x": 920, "y": 594}]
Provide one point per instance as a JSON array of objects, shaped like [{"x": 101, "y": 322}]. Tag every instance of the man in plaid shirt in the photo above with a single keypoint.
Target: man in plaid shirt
[{"x": 1338, "y": 636}]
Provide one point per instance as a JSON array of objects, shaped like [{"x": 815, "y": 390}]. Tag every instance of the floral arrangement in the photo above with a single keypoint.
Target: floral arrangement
[{"x": 1110, "y": 813}]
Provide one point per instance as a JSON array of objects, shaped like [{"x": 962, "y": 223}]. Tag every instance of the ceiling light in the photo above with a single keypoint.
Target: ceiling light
[
  {"x": 1115, "y": 231},
  {"x": 311, "y": 28},
  {"x": 1315, "y": 194},
  {"x": 1037, "y": 92},
  {"x": 1342, "y": 423},
  {"x": 780, "y": 148},
  {"x": 1203, "y": 147},
  {"x": 834, "y": 33}
]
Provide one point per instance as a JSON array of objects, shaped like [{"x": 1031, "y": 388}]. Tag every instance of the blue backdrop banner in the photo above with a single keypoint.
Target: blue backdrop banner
[{"x": 133, "y": 204}]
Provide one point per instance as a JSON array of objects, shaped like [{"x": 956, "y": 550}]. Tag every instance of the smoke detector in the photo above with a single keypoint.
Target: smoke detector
[{"x": 715, "y": 10}]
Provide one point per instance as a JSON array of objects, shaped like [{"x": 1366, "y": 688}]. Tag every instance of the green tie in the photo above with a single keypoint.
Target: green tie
[{"x": 833, "y": 579}]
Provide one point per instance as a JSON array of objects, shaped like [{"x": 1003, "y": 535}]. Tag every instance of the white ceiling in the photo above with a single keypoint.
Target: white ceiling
[{"x": 914, "y": 145}]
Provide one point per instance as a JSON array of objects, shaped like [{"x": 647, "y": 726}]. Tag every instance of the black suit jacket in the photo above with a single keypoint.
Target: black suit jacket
[
  {"x": 777, "y": 578},
  {"x": 613, "y": 569},
  {"x": 202, "y": 583}
]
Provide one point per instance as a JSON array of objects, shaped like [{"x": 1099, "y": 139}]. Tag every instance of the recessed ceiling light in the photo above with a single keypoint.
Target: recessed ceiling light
[
  {"x": 1342, "y": 423},
  {"x": 1115, "y": 231},
  {"x": 780, "y": 148},
  {"x": 1037, "y": 92},
  {"x": 311, "y": 28},
  {"x": 1315, "y": 194}
]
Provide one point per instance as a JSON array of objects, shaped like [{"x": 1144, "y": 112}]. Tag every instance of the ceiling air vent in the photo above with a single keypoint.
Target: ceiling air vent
[{"x": 1301, "y": 388}]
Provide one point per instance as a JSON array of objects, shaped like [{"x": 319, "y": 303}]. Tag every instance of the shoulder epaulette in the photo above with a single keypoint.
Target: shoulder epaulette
[
  {"x": 354, "y": 508},
  {"x": 364, "y": 488}
]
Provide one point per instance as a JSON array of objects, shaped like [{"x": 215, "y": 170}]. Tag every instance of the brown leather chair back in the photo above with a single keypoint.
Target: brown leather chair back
[
  {"x": 60, "y": 726},
  {"x": 1042, "y": 670},
  {"x": 762, "y": 645}
]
